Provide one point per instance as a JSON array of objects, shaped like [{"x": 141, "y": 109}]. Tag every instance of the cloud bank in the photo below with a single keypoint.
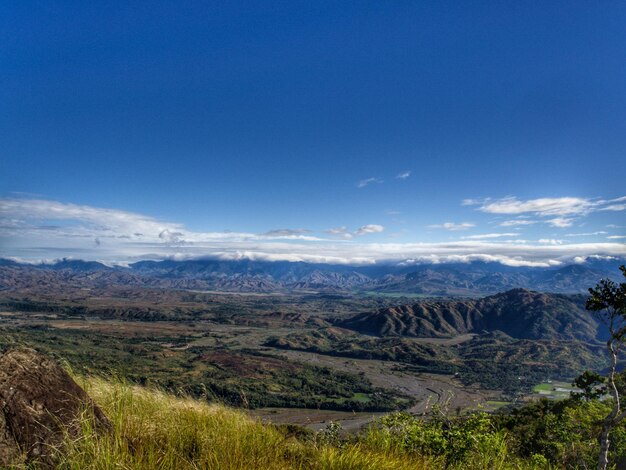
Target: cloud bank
[{"x": 37, "y": 229}]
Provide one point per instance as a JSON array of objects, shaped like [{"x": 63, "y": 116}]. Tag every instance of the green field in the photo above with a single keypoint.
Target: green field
[
  {"x": 542, "y": 387},
  {"x": 555, "y": 390},
  {"x": 495, "y": 404}
]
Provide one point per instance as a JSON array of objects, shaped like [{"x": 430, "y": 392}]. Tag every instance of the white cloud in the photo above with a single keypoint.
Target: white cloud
[
  {"x": 502, "y": 259},
  {"x": 289, "y": 234},
  {"x": 347, "y": 234},
  {"x": 587, "y": 234},
  {"x": 563, "y": 210},
  {"x": 404, "y": 175},
  {"x": 368, "y": 181},
  {"x": 614, "y": 207},
  {"x": 582, "y": 259},
  {"x": 490, "y": 235},
  {"x": 561, "y": 222},
  {"x": 40, "y": 229},
  {"x": 543, "y": 206},
  {"x": 517, "y": 222},
  {"x": 60, "y": 218},
  {"x": 370, "y": 228},
  {"x": 286, "y": 232},
  {"x": 472, "y": 202},
  {"x": 550, "y": 241},
  {"x": 454, "y": 227},
  {"x": 559, "y": 212},
  {"x": 338, "y": 230},
  {"x": 616, "y": 237},
  {"x": 171, "y": 237}
]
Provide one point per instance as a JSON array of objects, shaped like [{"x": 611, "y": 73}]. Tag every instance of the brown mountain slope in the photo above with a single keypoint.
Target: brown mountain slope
[{"x": 519, "y": 313}]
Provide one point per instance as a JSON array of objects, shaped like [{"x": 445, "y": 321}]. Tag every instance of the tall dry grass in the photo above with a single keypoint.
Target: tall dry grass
[{"x": 155, "y": 430}]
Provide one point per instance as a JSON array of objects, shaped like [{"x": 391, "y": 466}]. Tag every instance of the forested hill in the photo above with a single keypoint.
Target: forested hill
[{"x": 519, "y": 313}]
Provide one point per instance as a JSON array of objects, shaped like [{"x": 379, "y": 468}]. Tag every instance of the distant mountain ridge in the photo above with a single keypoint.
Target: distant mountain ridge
[
  {"x": 518, "y": 313},
  {"x": 458, "y": 279}
]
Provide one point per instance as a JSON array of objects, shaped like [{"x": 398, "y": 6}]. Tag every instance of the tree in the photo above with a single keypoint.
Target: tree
[
  {"x": 608, "y": 301},
  {"x": 592, "y": 385}
]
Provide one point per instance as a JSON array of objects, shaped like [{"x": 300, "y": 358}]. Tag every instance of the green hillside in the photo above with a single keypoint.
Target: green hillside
[{"x": 154, "y": 430}]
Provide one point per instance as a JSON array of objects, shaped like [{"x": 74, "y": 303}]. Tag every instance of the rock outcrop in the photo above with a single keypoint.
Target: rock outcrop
[{"x": 39, "y": 404}]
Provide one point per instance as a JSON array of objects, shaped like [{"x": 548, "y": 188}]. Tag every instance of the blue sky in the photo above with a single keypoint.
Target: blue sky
[{"x": 347, "y": 131}]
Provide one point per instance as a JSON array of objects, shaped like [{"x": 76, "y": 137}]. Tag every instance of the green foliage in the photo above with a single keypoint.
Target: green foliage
[
  {"x": 539, "y": 435},
  {"x": 330, "y": 435},
  {"x": 608, "y": 301},
  {"x": 564, "y": 432},
  {"x": 592, "y": 385},
  {"x": 607, "y": 296},
  {"x": 451, "y": 440}
]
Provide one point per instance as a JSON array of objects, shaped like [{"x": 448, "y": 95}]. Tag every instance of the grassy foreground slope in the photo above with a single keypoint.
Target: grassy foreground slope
[{"x": 154, "y": 430}]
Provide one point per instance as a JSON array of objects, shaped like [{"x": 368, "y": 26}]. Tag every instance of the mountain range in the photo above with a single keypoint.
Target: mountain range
[{"x": 458, "y": 279}]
